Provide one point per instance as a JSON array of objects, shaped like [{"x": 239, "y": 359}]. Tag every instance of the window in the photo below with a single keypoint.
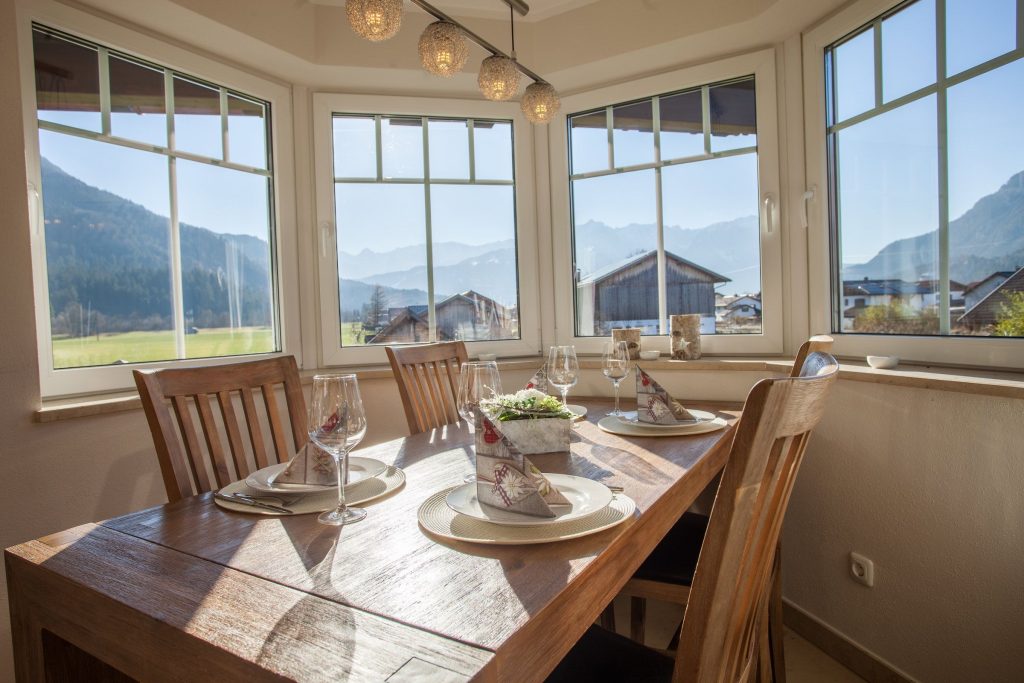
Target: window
[
  {"x": 155, "y": 225},
  {"x": 925, "y": 167},
  {"x": 426, "y": 243},
  {"x": 672, "y": 208}
]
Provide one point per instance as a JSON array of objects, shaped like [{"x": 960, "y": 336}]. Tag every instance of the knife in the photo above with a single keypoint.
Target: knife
[{"x": 242, "y": 499}]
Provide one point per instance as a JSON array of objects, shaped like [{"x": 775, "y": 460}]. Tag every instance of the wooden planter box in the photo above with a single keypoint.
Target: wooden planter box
[{"x": 546, "y": 435}]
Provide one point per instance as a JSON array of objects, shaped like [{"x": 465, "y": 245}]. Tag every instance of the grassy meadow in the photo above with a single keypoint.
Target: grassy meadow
[{"x": 140, "y": 347}]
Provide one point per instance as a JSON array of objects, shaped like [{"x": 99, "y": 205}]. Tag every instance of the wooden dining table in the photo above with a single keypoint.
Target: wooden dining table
[{"x": 190, "y": 591}]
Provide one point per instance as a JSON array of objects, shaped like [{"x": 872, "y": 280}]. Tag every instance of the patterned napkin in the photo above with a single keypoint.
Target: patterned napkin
[
  {"x": 539, "y": 381},
  {"x": 654, "y": 405},
  {"x": 506, "y": 479},
  {"x": 311, "y": 465}
]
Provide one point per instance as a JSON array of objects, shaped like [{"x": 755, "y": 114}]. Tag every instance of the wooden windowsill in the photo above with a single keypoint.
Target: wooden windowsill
[{"x": 982, "y": 382}]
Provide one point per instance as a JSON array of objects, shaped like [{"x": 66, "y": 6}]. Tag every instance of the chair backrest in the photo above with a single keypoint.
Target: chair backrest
[
  {"x": 427, "y": 377},
  {"x": 726, "y": 615},
  {"x": 819, "y": 343},
  {"x": 189, "y": 456}
]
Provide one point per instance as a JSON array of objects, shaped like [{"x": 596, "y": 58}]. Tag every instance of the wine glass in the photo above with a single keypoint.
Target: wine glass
[
  {"x": 477, "y": 380},
  {"x": 337, "y": 423},
  {"x": 615, "y": 365},
  {"x": 563, "y": 369}
]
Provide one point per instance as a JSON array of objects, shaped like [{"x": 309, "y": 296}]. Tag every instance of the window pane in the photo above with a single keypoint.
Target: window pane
[
  {"x": 355, "y": 147},
  {"x": 247, "y": 132},
  {"x": 67, "y": 82},
  {"x": 888, "y": 201},
  {"x": 382, "y": 280},
  {"x": 589, "y": 142},
  {"x": 986, "y": 198},
  {"x": 712, "y": 242},
  {"x": 855, "y": 75},
  {"x": 402, "y": 141},
  {"x": 633, "y": 133},
  {"x": 492, "y": 145},
  {"x": 107, "y": 252},
  {"x": 682, "y": 128},
  {"x": 475, "y": 283},
  {"x": 733, "y": 116},
  {"x": 197, "y": 119},
  {"x": 615, "y": 257},
  {"x": 137, "y": 107},
  {"x": 225, "y": 255},
  {"x": 978, "y": 31},
  {"x": 449, "y": 149},
  {"x": 908, "y": 50}
]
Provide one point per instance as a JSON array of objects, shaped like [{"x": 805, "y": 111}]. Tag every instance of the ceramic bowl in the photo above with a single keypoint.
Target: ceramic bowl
[
  {"x": 883, "y": 362},
  {"x": 650, "y": 355}
]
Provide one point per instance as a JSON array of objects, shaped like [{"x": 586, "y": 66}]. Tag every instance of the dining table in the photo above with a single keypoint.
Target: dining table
[{"x": 191, "y": 591}]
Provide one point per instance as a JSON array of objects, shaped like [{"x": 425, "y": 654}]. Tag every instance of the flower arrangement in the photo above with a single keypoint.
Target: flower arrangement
[{"x": 528, "y": 404}]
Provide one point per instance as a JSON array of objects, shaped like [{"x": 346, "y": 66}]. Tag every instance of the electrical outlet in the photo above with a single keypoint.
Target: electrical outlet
[{"x": 862, "y": 569}]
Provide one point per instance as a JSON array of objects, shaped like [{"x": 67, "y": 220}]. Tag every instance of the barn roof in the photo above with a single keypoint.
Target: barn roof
[
  {"x": 988, "y": 310},
  {"x": 610, "y": 270}
]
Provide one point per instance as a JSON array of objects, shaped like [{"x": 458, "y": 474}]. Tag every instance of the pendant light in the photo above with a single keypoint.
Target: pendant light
[
  {"x": 540, "y": 103},
  {"x": 443, "y": 49},
  {"x": 499, "y": 75},
  {"x": 374, "y": 20}
]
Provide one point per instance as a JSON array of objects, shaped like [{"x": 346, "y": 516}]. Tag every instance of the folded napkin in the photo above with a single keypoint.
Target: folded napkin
[
  {"x": 311, "y": 465},
  {"x": 654, "y": 405},
  {"x": 506, "y": 479},
  {"x": 539, "y": 381}
]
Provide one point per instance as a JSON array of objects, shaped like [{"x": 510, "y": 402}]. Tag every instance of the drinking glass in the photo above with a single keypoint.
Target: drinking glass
[
  {"x": 563, "y": 369},
  {"x": 615, "y": 365},
  {"x": 337, "y": 423},
  {"x": 477, "y": 380}
]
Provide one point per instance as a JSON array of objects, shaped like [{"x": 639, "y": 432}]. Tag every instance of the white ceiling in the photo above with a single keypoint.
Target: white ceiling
[{"x": 491, "y": 9}]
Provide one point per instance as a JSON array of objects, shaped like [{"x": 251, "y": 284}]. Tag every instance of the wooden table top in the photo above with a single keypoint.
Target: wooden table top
[{"x": 490, "y": 612}]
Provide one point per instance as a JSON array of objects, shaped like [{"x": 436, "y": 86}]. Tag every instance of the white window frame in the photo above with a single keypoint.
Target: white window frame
[
  {"x": 759, "y": 64},
  {"x": 91, "y": 380},
  {"x": 951, "y": 350},
  {"x": 325, "y": 105}
]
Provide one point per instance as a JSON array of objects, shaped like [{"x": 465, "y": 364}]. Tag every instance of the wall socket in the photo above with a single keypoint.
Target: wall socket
[{"x": 862, "y": 570}]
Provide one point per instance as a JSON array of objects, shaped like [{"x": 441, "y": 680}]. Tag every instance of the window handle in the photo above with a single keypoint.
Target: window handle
[
  {"x": 35, "y": 217},
  {"x": 769, "y": 213},
  {"x": 325, "y": 239},
  {"x": 808, "y": 196}
]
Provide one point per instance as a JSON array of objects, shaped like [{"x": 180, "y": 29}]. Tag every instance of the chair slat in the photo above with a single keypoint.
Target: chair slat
[
  {"x": 191, "y": 440},
  {"x": 252, "y": 421},
  {"x": 276, "y": 426},
  {"x": 227, "y": 413},
  {"x": 221, "y": 471}
]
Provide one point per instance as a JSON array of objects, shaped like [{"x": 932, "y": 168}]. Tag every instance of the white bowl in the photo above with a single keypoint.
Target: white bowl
[
  {"x": 650, "y": 355},
  {"x": 883, "y": 362}
]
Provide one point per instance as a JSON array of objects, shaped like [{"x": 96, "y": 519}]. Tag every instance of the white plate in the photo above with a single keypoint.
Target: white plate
[
  {"x": 326, "y": 499},
  {"x": 614, "y": 425},
  {"x": 630, "y": 418},
  {"x": 440, "y": 520},
  {"x": 358, "y": 470},
  {"x": 585, "y": 495},
  {"x": 577, "y": 411}
]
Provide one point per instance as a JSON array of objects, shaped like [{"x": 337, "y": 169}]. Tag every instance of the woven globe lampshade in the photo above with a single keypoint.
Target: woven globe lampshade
[
  {"x": 540, "y": 103},
  {"x": 499, "y": 78},
  {"x": 443, "y": 49},
  {"x": 374, "y": 20}
]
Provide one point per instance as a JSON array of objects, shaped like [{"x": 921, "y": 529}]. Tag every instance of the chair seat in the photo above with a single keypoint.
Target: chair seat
[
  {"x": 675, "y": 558},
  {"x": 601, "y": 655}
]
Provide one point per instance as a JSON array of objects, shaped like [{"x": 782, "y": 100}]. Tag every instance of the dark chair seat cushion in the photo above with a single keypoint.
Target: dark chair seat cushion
[
  {"x": 601, "y": 655},
  {"x": 675, "y": 558}
]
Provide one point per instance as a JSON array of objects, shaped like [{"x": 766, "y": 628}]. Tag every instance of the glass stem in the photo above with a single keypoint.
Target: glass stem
[
  {"x": 565, "y": 394},
  {"x": 340, "y": 462},
  {"x": 616, "y": 383}
]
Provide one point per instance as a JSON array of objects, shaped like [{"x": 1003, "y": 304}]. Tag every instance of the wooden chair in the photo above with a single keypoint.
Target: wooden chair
[
  {"x": 185, "y": 465},
  {"x": 427, "y": 377},
  {"x": 724, "y": 635},
  {"x": 668, "y": 573}
]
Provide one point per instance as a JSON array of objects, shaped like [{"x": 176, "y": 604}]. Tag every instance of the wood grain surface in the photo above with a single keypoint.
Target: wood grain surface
[{"x": 526, "y": 604}]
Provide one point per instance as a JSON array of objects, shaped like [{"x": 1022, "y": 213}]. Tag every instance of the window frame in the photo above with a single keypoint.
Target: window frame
[
  {"x": 760, "y": 65},
  {"x": 945, "y": 350},
  {"x": 99, "y": 379},
  {"x": 325, "y": 106}
]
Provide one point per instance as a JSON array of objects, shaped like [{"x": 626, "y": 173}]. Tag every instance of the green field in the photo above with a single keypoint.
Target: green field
[{"x": 139, "y": 347}]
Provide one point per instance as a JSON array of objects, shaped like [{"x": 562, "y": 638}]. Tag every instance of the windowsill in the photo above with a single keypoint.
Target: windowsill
[{"x": 981, "y": 382}]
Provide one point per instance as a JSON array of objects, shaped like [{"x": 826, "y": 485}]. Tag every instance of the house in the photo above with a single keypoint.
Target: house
[
  {"x": 916, "y": 296},
  {"x": 467, "y": 316},
  {"x": 625, "y": 294},
  {"x": 976, "y": 291},
  {"x": 744, "y": 307},
  {"x": 990, "y": 310}
]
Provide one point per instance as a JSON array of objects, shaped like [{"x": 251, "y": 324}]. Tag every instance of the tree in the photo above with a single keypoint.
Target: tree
[
  {"x": 1011, "y": 318},
  {"x": 897, "y": 318},
  {"x": 376, "y": 309}
]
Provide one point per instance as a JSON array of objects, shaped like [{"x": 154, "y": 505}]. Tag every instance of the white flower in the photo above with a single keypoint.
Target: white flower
[{"x": 527, "y": 394}]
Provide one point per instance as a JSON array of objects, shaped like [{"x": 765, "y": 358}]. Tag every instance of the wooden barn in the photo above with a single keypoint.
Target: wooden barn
[
  {"x": 466, "y": 316},
  {"x": 626, "y": 293}
]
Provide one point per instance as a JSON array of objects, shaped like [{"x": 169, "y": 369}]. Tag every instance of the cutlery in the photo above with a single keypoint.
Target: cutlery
[{"x": 243, "y": 499}]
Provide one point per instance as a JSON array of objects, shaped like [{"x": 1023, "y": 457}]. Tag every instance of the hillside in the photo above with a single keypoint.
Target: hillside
[{"x": 989, "y": 237}]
